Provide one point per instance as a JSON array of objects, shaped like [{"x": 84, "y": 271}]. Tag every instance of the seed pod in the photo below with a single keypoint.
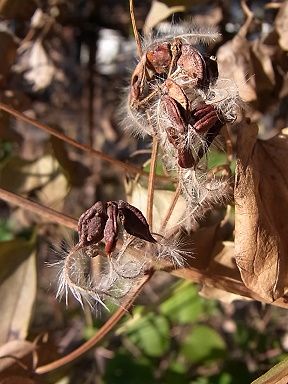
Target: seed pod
[
  {"x": 134, "y": 222},
  {"x": 172, "y": 113},
  {"x": 111, "y": 227},
  {"x": 159, "y": 58},
  {"x": 91, "y": 224}
]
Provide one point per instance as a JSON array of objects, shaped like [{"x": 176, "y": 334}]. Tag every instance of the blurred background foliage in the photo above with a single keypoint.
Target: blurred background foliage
[{"x": 66, "y": 63}]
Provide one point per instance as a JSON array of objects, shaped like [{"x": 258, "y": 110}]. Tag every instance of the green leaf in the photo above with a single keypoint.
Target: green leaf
[
  {"x": 151, "y": 334},
  {"x": 17, "y": 288},
  {"x": 123, "y": 369},
  {"x": 184, "y": 305},
  {"x": 203, "y": 344},
  {"x": 276, "y": 375}
]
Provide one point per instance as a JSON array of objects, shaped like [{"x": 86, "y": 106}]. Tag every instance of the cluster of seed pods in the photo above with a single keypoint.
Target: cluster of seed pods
[{"x": 168, "y": 92}]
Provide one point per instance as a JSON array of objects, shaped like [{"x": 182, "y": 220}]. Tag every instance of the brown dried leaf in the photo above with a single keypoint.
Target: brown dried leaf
[
  {"x": 261, "y": 211},
  {"x": 17, "y": 288},
  {"x": 222, "y": 263},
  {"x": 17, "y": 9},
  {"x": 134, "y": 222},
  {"x": 159, "y": 12},
  {"x": 281, "y": 24},
  {"x": 234, "y": 62},
  {"x": 18, "y": 349},
  {"x": 8, "y": 47},
  {"x": 137, "y": 196}
]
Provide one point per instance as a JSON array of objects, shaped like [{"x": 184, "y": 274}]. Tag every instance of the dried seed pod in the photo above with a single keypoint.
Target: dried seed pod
[
  {"x": 159, "y": 58},
  {"x": 111, "y": 227},
  {"x": 192, "y": 64},
  {"x": 91, "y": 224},
  {"x": 173, "y": 114},
  {"x": 206, "y": 117},
  {"x": 172, "y": 89},
  {"x": 134, "y": 222}
]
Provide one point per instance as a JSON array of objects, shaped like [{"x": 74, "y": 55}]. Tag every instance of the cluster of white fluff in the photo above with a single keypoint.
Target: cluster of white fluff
[
  {"x": 117, "y": 275},
  {"x": 198, "y": 190}
]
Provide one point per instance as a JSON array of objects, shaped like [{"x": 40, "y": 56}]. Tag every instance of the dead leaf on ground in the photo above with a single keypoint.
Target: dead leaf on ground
[
  {"x": 8, "y": 48},
  {"x": 17, "y": 288},
  {"x": 17, "y": 9},
  {"x": 234, "y": 62},
  {"x": 35, "y": 63},
  {"x": 42, "y": 176},
  {"x": 276, "y": 375},
  {"x": 162, "y": 200},
  {"x": 261, "y": 211},
  {"x": 16, "y": 349},
  {"x": 222, "y": 263},
  {"x": 281, "y": 24},
  {"x": 159, "y": 12}
]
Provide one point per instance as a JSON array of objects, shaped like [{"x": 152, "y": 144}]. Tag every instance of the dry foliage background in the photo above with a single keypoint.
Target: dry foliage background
[{"x": 63, "y": 69}]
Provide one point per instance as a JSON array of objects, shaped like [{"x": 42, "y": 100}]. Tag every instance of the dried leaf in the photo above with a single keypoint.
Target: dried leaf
[
  {"x": 276, "y": 375},
  {"x": 75, "y": 171},
  {"x": 18, "y": 349},
  {"x": 222, "y": 263},
  {"x": 8, "y": 48},
  {"x": 17, "y": 288},
  {"x": 42, "y": 175},
  {"x": 36, "y": 64},
  {"x": 137, "y": 196},
  {"x": 134, "y": 222},
  {"x": 261, "y": 210},
  {"x": 17, "y": 9},
  {"x": 91, "y": 224},
  {"x": 281, "y": 24},
  {"x": 12, "y": 379},
  {"x": 159, "y": 12},
  {"x": 234, "y": 63}
]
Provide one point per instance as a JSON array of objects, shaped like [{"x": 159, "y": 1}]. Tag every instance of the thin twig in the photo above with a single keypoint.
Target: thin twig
[
  {"x": 135, "y": 31},
  {"x": 228, "y": 144},
  {"x": 103, "y": 331},
  {"x": 48, "y": 213},
  {"x": 151, "y": 182},
  {"x": 171, "y": 208},
  {"x": 123, "y": 166}
]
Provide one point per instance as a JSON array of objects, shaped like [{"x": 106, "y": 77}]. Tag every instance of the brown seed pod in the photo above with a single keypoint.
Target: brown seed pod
[
  {"x": 111, "y": 227},
  {"x": 91, "y": 224},
  {"x": 134, "y": 222}
]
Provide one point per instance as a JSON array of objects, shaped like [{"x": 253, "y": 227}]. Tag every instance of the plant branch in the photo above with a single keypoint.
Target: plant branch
[
  {"x": 151, "y": 182},
  {"x": 135, "y": 31},
  {"x": 171, "y": 208},
  {"x": 103, "y": 331},
  {"x": 47, "y": 213},
  {"x": 86, "y": 148}
]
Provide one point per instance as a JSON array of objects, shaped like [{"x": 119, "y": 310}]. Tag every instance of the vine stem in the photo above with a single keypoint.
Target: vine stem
[
  {"x": 171, "y": 208},
  {"x": 135, "y": 31},
  {"x": 103, "y": 331},
  {"x": 151, "y": 182},
  {"x": 86, "y": 148},
  {"x": 48, "y": 213}
]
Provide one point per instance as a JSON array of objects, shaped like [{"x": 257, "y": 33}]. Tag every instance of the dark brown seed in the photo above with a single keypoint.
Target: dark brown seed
[
  {"x": 159, "y": 58},
  {"x": 134, "y": 222},
  {"x": 91, "y": 224},
  {"x": 111, "y": 227}
]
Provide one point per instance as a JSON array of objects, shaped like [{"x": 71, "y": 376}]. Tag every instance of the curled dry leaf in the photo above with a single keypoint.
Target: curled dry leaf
[
  {"x": 19, "y": 349},
  {"x": 281, "y": 24},
  {"x": 137, "y": 196},
  {"x": 159, "y": 12},
  {"x": 234, "y": 63},
  {"x": 17, "y": 288},
  {"x": 8, "y": 46},
  {"x": 261, "y": 211}
]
